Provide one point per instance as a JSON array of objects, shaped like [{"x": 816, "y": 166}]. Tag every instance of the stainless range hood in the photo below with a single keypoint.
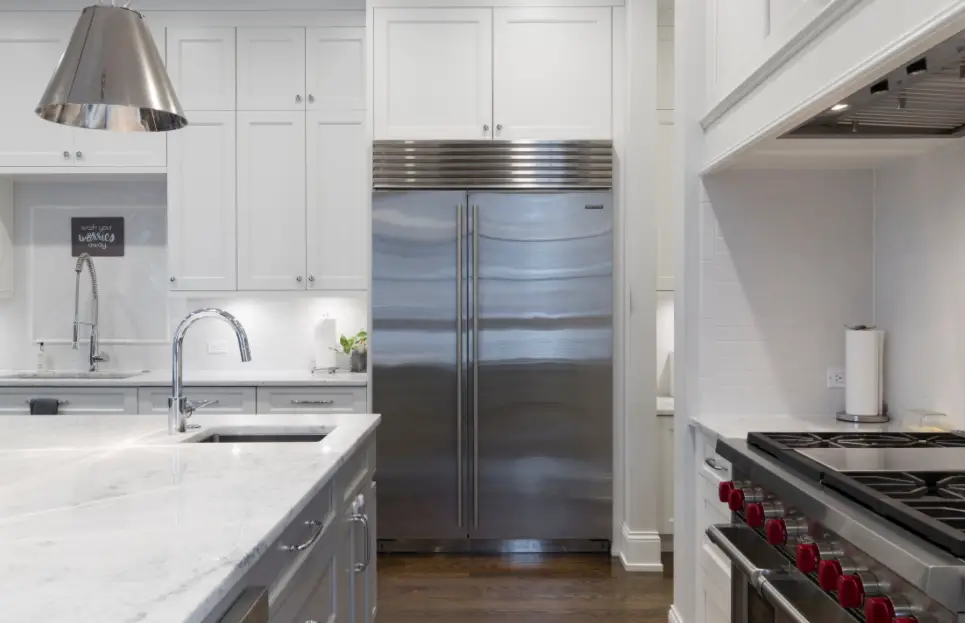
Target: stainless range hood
[{"x": 924, "y": 98}]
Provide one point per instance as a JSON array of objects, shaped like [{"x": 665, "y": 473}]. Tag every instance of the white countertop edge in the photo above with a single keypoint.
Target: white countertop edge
[
  {"x": 739, "y": 425},
  {"x": 206, "y": 378}
]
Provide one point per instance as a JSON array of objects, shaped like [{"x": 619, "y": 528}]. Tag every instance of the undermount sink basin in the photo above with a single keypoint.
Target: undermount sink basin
[
  {"x": 260, "y": 438},
  {"x": 72, "y": 375}
]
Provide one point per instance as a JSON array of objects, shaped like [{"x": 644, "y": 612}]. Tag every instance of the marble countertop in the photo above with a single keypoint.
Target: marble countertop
[
  {"x": 211, "y": 378},
  {"x": 106, "y": 518},
  {"x": 739, "y": 426}
]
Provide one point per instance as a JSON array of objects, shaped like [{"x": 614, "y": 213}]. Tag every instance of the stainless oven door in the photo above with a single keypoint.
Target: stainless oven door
[{"x": 766, "y": 587}]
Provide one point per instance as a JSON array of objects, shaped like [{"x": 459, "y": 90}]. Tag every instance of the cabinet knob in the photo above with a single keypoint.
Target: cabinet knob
[
  {"x": 173, "y": 279},
  {"x": 298, "y": 98},
  {"x": 66, "y": 155},
  {"x": 486, "y": 128},
  {"x": 499, "y": 127},
  {"x": 79, "y": 155},
  {"x": 311, "y": 98},
  {"x": 298, "y": 279},
  {"x": 311, "y": 277}
]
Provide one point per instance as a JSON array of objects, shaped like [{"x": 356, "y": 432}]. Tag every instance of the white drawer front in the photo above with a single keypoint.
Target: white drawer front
[
  {"x": 154, "y": 400},
  {"x": 715, "y": 565},
  {"x": 311, "y": 400},
  {"x": 75, "y": 400}
]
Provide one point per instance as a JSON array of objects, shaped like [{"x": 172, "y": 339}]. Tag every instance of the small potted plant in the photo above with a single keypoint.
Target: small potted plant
[{"x": 356, "y": 347}]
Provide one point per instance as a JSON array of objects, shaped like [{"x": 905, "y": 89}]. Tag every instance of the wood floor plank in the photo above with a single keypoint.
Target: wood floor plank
[{"x": 528, "y": 588}]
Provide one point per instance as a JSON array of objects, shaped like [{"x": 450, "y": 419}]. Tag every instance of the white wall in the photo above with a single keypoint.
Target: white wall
[
  {"x": 920, "y": 280},
  {"x": 137, "y": 316},
  {"x": 785, "y": 263}
]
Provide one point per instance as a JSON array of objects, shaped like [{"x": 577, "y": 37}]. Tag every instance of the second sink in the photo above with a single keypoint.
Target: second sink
[{"x": 260, "y": 438}]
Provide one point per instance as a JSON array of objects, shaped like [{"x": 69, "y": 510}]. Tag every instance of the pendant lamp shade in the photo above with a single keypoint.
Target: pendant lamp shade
[{"x": 111, "y": 77}]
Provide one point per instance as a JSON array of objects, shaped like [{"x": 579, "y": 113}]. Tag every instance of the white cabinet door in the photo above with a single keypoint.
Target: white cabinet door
[
  {"x": 271, "y": 201},
  {"x": 551, "y": 73},
  {"x": 666, "y": 212},
  {"x": 271, "y": 68},
  {"x": 335, "y": 69},
  {"x": 433, "y": 73},
  {"x": 201, "y": 203},
  {"x": 338, "y": 193},
  {"x": 31, "y": 46},
  {"x": 666, "y": 474},
  {"x": 99, "y": 148},
  {"x": 73, "y": 400},
  {"x": 6, "y": 238},
  {"x": 371, "y": 573},
  {"x": 201, "y": 64},
  {"x": 665, "y": 67},
  {"x": 311, "y": 400}
]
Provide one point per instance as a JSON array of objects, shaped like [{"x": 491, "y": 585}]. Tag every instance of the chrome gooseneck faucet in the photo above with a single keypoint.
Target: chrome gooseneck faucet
[
  {"x": 95, "y": 356},
  {"x": 179, "y": 407}
]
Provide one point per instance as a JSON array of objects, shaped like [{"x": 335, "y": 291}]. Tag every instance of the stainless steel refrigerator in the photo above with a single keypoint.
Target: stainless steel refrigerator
[{"x": 491, "y": 356}]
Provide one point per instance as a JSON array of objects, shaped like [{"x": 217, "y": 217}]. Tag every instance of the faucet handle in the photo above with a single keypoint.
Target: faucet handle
[{"x": 190, "y": 406}]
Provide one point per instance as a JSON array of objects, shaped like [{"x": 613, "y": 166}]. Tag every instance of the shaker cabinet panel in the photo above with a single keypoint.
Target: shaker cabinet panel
[
  {"x": 201, "y": 64},
  {"x": 201, "y": 204},
  {"x": 552, "y": 73},
  {"x": 433, "y": 73},
  {"x": 666, "y": 207},
  {"x": 98, "y": 148},
  {"x": 32, "y": 47},
  {"x": 335, "y": 69},
  {"x": 271, "y": 201},
  {"x": 271, "y": 68},
  {"x": 337, "y": 199}
]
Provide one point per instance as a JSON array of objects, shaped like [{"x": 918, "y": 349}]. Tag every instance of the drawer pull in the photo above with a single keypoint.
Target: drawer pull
[
  {"x": 313, "y": 402},
  {"x": 311, "y": 540},
  {"x": 360, "y": 516},
  {"x": 712, "y": 464}
]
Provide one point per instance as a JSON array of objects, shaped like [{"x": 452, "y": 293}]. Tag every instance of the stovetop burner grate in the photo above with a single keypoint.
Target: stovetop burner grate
[{"x": 785, "y": 441}]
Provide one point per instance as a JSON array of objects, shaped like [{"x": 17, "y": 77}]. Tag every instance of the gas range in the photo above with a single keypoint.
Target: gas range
[{"x": 870, "y": 525}]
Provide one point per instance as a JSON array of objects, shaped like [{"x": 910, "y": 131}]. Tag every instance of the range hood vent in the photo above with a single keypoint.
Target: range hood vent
[
  {"x": 924, "y": 98},
  {"x": 492, "y": 165}
]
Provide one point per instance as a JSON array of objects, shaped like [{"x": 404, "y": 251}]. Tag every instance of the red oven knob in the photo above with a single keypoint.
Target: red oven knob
[
  {"x": 735, "y": 501},
  {"x": 904, "y": 620},
  {"x": 723, "y": 491},
  {"x": 828, "y": 573},
  {"x": 878, "y": 610},
  {"x": 807, "y": 557},
  {"x": 850, "y": 591},
  {"x": 776, "y": 531},
  {"x": 755, "y": 515}
]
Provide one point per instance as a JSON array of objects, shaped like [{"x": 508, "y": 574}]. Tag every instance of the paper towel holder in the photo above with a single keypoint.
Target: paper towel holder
[{"x": 880, "y": 418}]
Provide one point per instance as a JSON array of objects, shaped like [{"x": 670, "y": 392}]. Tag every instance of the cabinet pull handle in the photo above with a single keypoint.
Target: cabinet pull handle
[
  {"x": 499, "y": 127},
  {"x": 298, "y": 98},
  {"x": 313, "y": 402},
  {"x": 358, "y": 506},
  {"x": 311, "y": 277},
  {"x": 173, "y": 279},
  {"x": 59, "y": 401},
  {"x": 311, "y": 98},
  {"x": 298, "y": 279},
  {"x": 80, "y": 155},
  {"x": 486, "y": 128},
  {"x": 712, "y": 464},
  {"x": 66, "y": 155},
  {"x": 317, "y": 532}
]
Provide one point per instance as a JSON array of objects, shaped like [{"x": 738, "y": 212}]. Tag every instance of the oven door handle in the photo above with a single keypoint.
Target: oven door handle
[{"x": 756, "y": 577}]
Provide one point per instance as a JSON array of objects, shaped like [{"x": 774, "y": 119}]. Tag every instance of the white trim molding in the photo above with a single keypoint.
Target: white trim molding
[
  {"x": 640, "y": 550},
  {"x": 673, "y": 616}
]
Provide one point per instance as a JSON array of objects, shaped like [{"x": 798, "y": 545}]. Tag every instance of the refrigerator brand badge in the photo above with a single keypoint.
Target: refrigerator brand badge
[{"x": 593, "y": 206}]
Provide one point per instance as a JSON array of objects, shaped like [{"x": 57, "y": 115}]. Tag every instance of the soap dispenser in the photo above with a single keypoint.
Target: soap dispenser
[{"x": 41, "y": 359}]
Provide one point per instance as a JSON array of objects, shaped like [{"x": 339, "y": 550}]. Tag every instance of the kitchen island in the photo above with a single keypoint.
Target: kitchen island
[{"x": 111, "y": 519}]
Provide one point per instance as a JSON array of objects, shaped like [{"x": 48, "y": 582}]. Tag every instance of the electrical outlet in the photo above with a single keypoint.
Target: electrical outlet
[
  {"x": 218, "y": 348},
  {"x": 836, "y": 378}
]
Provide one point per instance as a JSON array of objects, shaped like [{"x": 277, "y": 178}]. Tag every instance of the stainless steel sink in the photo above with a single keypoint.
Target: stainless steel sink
[
  {"x": 72, "y": 375},
  {"x": 260, "y": 438}
]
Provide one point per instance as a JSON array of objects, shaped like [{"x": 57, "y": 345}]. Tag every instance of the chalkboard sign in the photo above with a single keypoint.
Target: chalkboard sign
[{"x": 98, "y": 236}]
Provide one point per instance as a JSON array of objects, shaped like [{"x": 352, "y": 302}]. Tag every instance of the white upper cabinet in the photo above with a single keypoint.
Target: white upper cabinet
[
  {"x": 666, "y": 208},
  {"x": 201, "y": 203},
  {"x": 433, "y": 73},
  {"x": 271, "y": 68},
  {"x": 100, "y": 148},
  {"x": 551, "y": 73},
  {"x": 271, "y": 201},
  {"x": 337, "y": 199},
  {"x": 31, "y": 48},
  {"x": 335, "y": 68},
  {"x": 201, "y": 64}
]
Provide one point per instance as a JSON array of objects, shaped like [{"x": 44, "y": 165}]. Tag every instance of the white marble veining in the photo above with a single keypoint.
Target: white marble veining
[
  {"x": 110, "y": 519},
  {"x": 739, "y": 426},
  {"x": 211, "y": 378}
]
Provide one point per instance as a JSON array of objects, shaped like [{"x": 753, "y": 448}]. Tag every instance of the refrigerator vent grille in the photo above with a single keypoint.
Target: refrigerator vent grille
[{"x": 472, "y": 165}]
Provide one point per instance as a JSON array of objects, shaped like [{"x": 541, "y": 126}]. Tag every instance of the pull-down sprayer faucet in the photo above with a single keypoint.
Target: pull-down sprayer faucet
[{"x": 95, "y": 357}]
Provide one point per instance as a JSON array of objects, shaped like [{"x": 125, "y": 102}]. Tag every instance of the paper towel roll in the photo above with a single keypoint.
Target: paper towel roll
[
  {"x": 323, "y": 343},
  {"x": 864, "y": 391}
]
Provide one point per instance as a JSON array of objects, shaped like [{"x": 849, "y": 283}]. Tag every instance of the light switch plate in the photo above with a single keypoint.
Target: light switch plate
[{"x": 218, "y": 347}]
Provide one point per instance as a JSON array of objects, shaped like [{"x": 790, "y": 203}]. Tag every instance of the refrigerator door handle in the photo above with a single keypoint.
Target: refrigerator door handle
[
  {"x": 475, "y": 365},
  {"x": 460, "y": 227}
]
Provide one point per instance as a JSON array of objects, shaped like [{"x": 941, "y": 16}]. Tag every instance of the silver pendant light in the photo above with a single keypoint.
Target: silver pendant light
[{"x": 111, "y": 77}]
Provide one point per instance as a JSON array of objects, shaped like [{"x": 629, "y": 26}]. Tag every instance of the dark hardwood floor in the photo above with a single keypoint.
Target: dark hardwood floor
[{"x": 521, "y": 588}]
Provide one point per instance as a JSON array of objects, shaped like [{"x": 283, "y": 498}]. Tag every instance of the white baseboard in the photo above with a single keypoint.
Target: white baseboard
[
  {"x": 640, "y": 550},
  {"x": 673, "y": 616}
]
